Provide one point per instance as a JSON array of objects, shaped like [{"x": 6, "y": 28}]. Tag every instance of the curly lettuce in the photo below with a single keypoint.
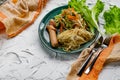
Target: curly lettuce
[{"x": 112, "y": 20}]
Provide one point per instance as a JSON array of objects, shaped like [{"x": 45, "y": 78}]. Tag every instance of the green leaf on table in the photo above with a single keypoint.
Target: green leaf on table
[{"x": 112, "y": 20}]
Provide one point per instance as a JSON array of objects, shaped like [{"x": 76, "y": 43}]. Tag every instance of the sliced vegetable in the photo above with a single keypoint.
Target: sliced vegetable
[
  {"x": 90, "y": 15},
  {"x": 112, "y": 20},
  {"x": 69, "y": 19}
]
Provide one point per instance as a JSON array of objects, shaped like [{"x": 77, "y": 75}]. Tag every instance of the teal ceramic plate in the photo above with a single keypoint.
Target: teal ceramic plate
[{"x": 44, "y": 36}]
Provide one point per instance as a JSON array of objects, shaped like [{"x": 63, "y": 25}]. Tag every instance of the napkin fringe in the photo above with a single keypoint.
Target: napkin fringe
[{"x": 8, "y": 18}]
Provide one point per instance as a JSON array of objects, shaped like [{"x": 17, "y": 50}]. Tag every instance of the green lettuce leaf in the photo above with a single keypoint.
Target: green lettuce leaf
[
  {"x": 112, "y": 20},
  {"x": 90, "y": 15}
]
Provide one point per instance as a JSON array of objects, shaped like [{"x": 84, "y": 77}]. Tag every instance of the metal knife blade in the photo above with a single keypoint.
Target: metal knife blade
[
  {"x": 98, "y": 43},
  {"x": 94, "y": 60}
]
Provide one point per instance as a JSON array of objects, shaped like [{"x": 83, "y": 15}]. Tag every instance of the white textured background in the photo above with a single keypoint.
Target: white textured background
[{"x": 23, "y": 57}]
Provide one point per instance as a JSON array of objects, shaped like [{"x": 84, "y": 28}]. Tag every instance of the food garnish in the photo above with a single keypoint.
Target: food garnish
[
  {"x": 69, "y": 19},
  {"x": 112, "y": 20},
  {"x": 89, "y": 15}
]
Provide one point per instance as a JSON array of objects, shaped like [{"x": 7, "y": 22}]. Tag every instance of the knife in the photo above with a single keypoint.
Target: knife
[
  {"x": 94, "y": 60},
  {"x": 98, "y": 43}
]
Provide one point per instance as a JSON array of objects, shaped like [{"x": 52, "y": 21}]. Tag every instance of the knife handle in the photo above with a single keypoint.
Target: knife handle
[
  {"x": 85, "y": 63},
  {"x": 94, "y": 60}
]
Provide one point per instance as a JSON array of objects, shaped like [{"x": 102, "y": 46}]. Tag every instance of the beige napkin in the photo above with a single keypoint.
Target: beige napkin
[
  {"x": 78, "y": 63},
  {"x": 114, "y": 56},
  {"x": 16, "y": 15}
]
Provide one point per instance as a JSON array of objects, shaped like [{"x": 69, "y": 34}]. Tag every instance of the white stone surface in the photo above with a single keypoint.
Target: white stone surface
[{"x": 23, "y": 57}]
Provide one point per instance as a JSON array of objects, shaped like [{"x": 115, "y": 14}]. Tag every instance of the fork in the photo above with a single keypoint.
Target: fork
[
  {"x": 104, "y": 45},
  {"x": 98, "y": 43},
  {"x": 95, "y": 58}
]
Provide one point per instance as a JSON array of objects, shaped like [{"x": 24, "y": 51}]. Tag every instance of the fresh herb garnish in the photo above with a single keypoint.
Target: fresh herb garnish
[
  {"x": 90, "y": 15},
  {"x": 112, "y": 20}
]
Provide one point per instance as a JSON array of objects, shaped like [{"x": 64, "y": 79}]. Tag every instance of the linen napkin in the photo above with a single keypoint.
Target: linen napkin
[
  {"x": 109, "y": 54},
  {"x": 17, "y": 15}
]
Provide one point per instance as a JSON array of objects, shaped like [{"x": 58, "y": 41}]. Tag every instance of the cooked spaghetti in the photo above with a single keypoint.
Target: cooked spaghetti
[{"x": 72, "y": 39}]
